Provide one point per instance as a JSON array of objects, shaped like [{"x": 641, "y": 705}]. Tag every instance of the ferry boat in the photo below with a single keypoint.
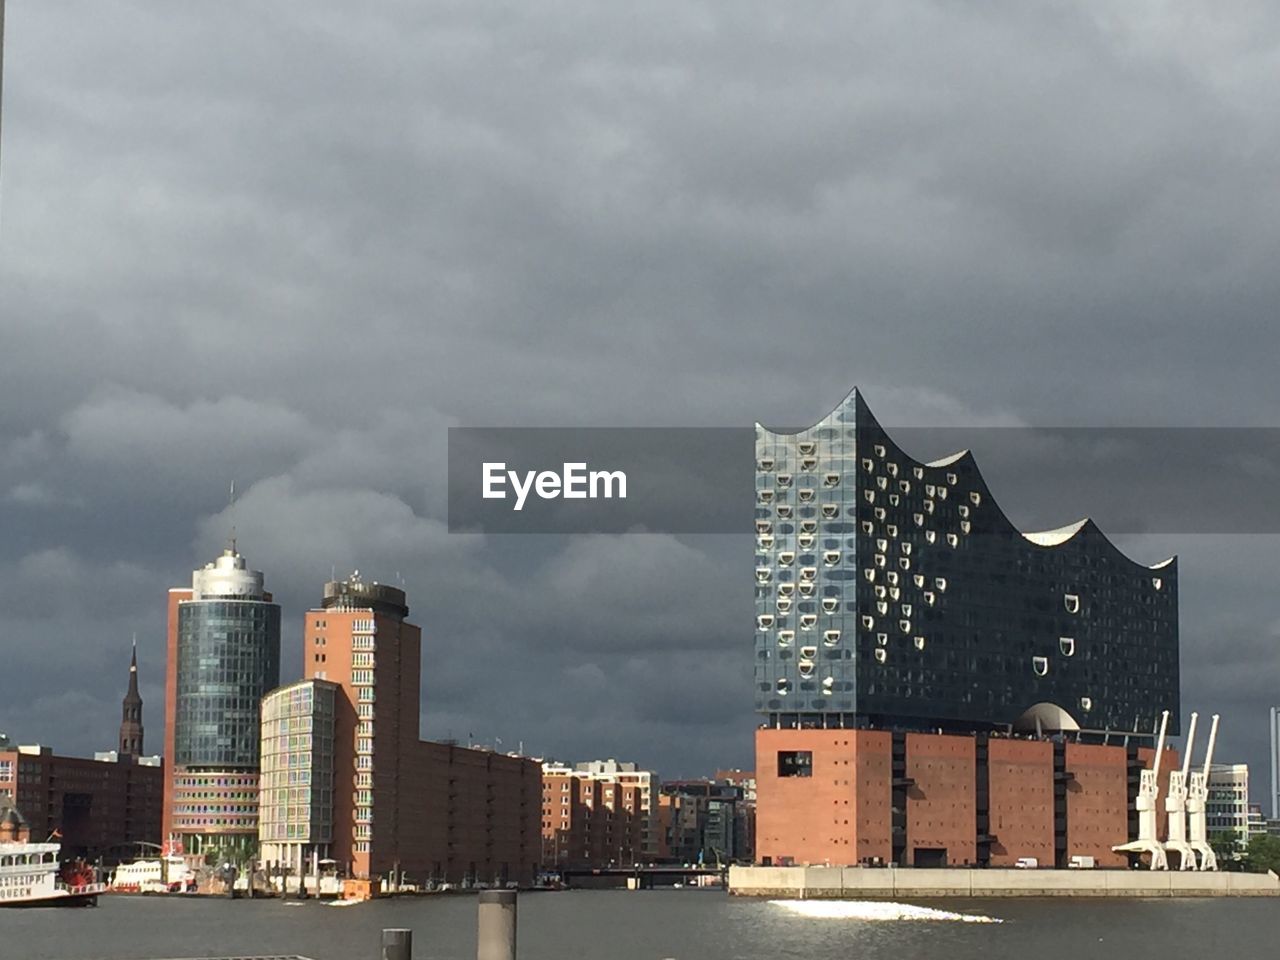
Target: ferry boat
[
  {"x": 31, "y": 876},
  {"x": 169, "y": 875}
]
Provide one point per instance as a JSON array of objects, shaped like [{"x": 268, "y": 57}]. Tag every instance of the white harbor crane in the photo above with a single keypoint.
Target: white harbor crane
[
  {"x": 1175, "y": 806},
  {"x": 1148, "y": 791},
  {"x": 1197, "y": 798}
]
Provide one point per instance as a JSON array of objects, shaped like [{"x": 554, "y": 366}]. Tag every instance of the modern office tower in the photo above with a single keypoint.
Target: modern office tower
[
  {"x": 893, "y": 592},
  {"x": 1227, "y": 807},
  {"x": 1275, "y": 763},
  {"x": 403, "y": 806},
  {"x": 224, "y": 655},
  {"x": 131, "y": 713},
  {"x": 964, "y": 692},
  {"x": 295, "y": 809}
]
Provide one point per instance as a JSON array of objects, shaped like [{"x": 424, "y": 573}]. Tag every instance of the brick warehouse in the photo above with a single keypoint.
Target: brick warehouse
[
  {"x": 846, "y": 797},
  {"x": 349, "y": 778},
  {"x": 938, "y": 687}
]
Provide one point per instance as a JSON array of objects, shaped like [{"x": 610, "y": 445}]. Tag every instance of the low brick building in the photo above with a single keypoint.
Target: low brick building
[
  {"x": 848, "y": 797},
  {"x": 98, "y": 808},
  {"x": 598, "y": 814}
]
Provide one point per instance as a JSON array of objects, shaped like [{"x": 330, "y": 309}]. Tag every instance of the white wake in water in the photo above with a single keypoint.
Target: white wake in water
[{"x": 873, "y": 910}]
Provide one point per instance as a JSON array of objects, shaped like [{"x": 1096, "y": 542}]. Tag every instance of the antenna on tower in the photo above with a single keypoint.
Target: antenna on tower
[{"x": 231, "y": 502}]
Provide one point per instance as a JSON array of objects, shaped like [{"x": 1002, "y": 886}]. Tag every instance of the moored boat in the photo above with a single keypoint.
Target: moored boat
[{"x": 31, "y": 876}]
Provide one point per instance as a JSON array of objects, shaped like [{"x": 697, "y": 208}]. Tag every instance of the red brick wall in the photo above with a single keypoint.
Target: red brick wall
[
  {"x": 874, "y": 795},
  {"x": 1020, "y": 781},
  {"x": 176, "y": 595},
  {"x": 940, "y": 806},
  {"x": 807, "y": 819},
  {"x": 1097, "y": 802}
]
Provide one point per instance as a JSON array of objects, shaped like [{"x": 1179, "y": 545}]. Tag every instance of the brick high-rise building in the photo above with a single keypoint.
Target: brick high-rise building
[
  {"x": 431, "y": 811},
  {"x": 223, "y": 656}
]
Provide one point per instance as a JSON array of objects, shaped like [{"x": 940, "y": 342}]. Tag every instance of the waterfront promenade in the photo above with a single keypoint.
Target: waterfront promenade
[{"x": 890, "y": 883}]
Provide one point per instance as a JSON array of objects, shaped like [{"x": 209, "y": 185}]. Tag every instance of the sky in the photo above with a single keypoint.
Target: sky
[{"x": 288, "y": 245}]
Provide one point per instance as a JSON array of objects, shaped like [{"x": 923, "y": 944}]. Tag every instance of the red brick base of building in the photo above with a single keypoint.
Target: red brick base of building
[{"x": 844, "y": 797}]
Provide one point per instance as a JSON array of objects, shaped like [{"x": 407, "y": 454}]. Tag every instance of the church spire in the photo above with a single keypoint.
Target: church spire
[{"x": 131, "y": 713}]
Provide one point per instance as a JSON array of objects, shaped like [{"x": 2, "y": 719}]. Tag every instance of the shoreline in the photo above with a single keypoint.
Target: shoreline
[{"x": 891, "y": 883}]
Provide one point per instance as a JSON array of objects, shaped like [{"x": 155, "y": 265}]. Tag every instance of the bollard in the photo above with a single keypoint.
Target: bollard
[
  {"x": 397, "y": 944},
  {"x": 497, "y": 933}
]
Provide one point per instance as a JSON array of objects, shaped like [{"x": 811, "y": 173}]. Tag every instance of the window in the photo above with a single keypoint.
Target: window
[
  {"x": 1072, "y": 602},
  {"x": 1040, "y": 665},
  {"x": 795, "y": 763},
  {"x": 831, "y": 637},
  {"x": 766, "y": 496},
  {"x": 1067, "y": 645},
  {"x": 805, "y": 495},
  {"x": 881, "y": 656},
  {"x": 807, "y": 447},
  {"x": 919, "y": 642},
  {"x": 1086, "y": 704}
]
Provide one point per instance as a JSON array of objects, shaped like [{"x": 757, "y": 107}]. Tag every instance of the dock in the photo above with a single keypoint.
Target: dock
[{"x": 907, "y": 883}]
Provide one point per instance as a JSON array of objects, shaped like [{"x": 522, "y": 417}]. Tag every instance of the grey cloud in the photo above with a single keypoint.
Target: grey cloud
[{"x": 292, "y": 255}]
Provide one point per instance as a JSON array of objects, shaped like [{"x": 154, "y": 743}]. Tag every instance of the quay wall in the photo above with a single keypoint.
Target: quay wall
[{"x": 892, "y": 883}]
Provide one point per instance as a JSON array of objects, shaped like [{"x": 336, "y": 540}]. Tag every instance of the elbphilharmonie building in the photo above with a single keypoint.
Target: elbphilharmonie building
[{"x": 893, "y": 593}]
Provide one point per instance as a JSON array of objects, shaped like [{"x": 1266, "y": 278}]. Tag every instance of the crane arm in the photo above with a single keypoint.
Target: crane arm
[
  {"x": 1208, "y": 756},
  {"x": 1191, "y": 745}
]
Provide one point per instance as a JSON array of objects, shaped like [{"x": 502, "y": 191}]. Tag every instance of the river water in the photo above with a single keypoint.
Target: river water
[{"x": 646, "y": 925}]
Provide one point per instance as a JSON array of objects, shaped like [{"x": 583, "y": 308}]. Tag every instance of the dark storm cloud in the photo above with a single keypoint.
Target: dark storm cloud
[{"x": 290, "y": 244}]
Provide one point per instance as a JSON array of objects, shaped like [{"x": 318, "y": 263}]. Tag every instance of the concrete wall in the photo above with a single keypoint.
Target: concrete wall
[{"x": 869, "y": 883}]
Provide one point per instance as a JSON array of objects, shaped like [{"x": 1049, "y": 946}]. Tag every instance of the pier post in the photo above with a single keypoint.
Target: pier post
[
  {"x": 497, "y": 932},
  {"x": 397, "y": 944}
]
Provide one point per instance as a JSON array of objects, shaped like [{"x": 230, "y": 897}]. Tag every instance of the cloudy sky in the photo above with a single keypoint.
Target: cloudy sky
[{"x": 289, "y": 244}]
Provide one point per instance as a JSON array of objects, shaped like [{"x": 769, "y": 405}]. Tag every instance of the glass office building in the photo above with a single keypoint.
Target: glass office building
[
  {"x": 228, "y": 657},
  {"x": 891, "y": 592}
]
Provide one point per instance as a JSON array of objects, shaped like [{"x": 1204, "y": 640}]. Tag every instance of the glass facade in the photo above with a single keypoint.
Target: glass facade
[
  {"x": 891, "y": 592},
  {"x": 228, "y": 658},
  {"x": 296, "y": 812}
]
